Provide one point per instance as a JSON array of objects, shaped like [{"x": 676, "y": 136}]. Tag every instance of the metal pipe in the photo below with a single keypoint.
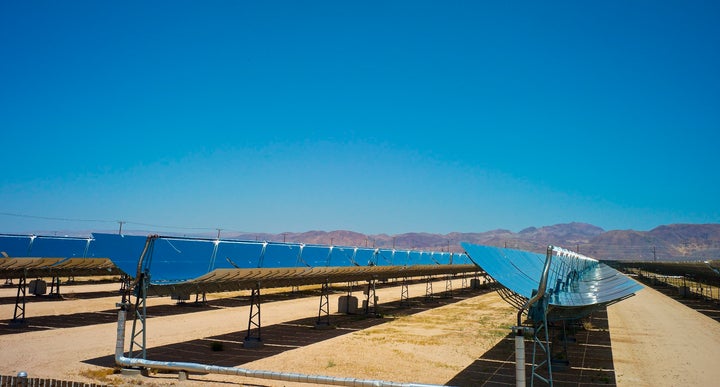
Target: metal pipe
[
  {"x": 541, "y": 286},
  {"x": 141, "y": 261},
  {"x": 519, "y": 357},
  {"x": 123, "y": 361}
]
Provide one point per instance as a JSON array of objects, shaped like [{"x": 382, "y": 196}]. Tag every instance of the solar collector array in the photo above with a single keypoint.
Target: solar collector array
[
  {"x": 576, "y": 285},
  {"x": 177, "y": 263},
  {"x": 39, "y": 256}
]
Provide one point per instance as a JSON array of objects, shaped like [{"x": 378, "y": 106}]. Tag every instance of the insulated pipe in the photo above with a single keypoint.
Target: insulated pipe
[
  {"x": 121, "y": 360},
  {"x": 519, "y": 357},
  {"x": 519, "y": 331},
  {"x": 141, "y": 261},
  {"x": 541, "y": 286}
]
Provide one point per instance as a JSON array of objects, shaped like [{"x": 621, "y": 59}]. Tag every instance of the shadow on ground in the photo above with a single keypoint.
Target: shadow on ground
[
  {"x": 106, "y": 316},
  {"x": 286, "y": 336},
  {"x": 589, "y": 356}
]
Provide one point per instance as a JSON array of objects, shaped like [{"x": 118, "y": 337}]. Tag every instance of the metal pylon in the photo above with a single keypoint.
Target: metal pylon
[
  {"x": 448, "y": 286},
  {"x": 252, "y": 338},
  {"x": 55, "y": 287},
  {"x": 19, "y": 314},
  {"x": 541, "y": 328},
  {"x": 371, "y": 297},
  {"x": 428, "y": 289},
  {"x": 541, "y": 341},
  {"x": 404, "y": 293},
  {"x": 142, "y": 282},
  {"x": 323, "y": 319},
  {"x": 139, "y": 333}
]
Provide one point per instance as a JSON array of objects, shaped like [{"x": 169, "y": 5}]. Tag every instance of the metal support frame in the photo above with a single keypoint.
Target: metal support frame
[
  {"x": 140, "y": 288},
  {"x": 448, "y": 286},
  {"x": 404, "y": 293},
  {"x": 541, "y": 340},
  {"x": 55, "y": 287},
  {"x": 199, "y": 299},
  {"x": 464, "y": 283},
  {"x": 253, "y": 338},
  {"x": 371, "y": 297},
  {"x": 537, "y": 307},
  {"x": 323, "y": 320},
  {"x": 19, "y": 313},
  {"x": 139, "y": 331},
  {"x": 429, "y": 289}
]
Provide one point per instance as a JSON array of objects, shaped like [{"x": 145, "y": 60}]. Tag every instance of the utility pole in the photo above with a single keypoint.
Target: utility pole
[
  {"x": 218, "y": 230},
  {"x": 121, "y": 224},
  {"x": 654, "y": 255}
]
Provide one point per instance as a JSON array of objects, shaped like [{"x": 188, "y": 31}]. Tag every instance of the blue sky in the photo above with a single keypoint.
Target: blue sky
[{"x": 376, "y": 117}]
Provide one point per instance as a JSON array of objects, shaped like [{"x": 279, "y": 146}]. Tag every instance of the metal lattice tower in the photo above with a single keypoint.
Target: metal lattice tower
[
  {"x": 323, "y": 319},
  {"x": 253, "y": 338},
  {"x": 404, "y": 293},
  {"x": 139, "y": 331}
]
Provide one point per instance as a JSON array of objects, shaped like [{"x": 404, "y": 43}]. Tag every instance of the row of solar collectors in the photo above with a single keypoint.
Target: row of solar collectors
[
  {"x": 521, "y": 270},
  {"x": 573, "y": 281},
  {"x": 188, "y": 257}
]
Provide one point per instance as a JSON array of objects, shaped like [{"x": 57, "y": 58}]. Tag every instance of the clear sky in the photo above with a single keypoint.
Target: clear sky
[{"x": 376, "y": 117}]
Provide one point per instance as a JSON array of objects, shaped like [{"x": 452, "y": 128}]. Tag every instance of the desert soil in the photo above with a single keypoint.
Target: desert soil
[{"x": 656, "y": 341}]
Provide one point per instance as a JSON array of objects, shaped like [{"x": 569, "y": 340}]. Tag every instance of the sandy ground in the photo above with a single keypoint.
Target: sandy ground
[{"x": 656, "y": 341}]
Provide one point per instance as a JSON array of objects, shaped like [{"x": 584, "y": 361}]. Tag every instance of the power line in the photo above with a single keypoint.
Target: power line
[
  {"x": 53, "y": 218},
  {"x": 122, "y": 222}
]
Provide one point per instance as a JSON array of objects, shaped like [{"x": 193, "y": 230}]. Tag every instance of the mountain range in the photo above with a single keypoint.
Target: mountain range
[{"x": 675, "y": 242}]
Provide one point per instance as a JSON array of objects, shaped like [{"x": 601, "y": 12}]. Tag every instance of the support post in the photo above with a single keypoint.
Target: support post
[
  {"x": 323, "y": 320},
  {"x": 429, "y": 289},
  {"x": 252, "y": 338},
  {"x": 371, "y": 297},
  {"x": 19, "y": 313},
  {"x": 536, "y": 308},
  {"x": 55, "y": 287},
  {"x": 448, "y": 286},
  {"x": 404, "y": 293},
  {"x": 139, "y": 336},
  {"x": 544, "y": 344}
]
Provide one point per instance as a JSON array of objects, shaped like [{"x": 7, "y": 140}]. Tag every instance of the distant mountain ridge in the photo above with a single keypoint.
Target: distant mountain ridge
[{"x": 668, "y": 242}]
